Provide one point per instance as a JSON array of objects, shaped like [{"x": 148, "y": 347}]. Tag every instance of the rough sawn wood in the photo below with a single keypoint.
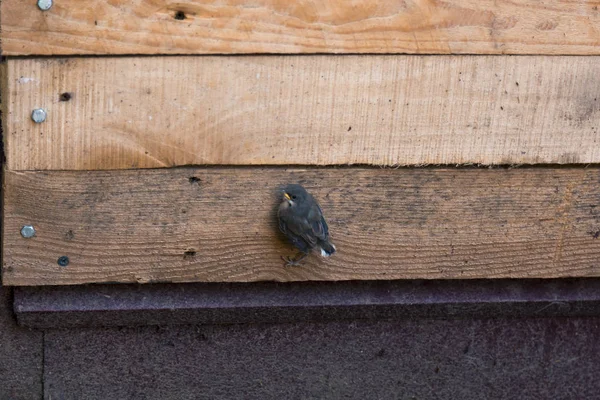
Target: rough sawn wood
[
  {"x": 305, "y": 26},
  {"x": 218, "y": 224},
  {"x": 148, "y": 112}
]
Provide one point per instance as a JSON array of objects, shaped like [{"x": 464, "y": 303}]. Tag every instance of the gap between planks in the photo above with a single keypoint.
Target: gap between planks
[{"x": 218, "y": 225}]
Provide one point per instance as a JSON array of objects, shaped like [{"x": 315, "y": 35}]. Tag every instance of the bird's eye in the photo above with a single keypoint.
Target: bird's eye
[{"x": 294, "y": 197}]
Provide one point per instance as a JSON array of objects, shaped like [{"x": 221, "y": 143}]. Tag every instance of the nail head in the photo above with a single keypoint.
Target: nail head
[
  {"x": 28, "y": 231},
  {"x": 38, "y": 115},
  {"x": 44, "y": 5}
]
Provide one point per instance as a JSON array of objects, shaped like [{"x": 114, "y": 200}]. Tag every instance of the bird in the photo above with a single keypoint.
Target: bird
[{"x": 301, "y": 221}]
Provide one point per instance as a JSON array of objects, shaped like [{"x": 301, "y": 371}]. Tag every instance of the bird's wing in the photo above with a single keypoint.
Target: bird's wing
[
  {"x": 300, "y": 240},
  {"x": 319, "y": 227},
  {"x": 303, "y": 228}
]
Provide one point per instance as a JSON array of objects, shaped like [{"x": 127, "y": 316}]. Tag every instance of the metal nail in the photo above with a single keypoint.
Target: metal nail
[
  {"x": 38, "y": 115},
  {"x": 44, "y": 5},
  {"x": 28, "y": 231}
]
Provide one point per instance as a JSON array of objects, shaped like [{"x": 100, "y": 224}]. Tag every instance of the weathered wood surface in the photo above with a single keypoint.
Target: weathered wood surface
[
  {"x": 160, "y": 225},
  {"x": 307, "y": 26},
  {"x": 145, "y": 112}
]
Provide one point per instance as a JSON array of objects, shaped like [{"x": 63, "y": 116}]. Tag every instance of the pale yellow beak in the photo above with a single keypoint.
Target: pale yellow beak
[{"x": 287, "y": 196}]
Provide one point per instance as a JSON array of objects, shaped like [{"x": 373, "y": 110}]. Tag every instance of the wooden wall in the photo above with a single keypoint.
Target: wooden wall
[{"x": 443, "y": 140}]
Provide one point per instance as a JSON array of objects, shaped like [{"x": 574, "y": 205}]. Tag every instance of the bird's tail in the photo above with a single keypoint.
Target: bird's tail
[{"x": 327, "y": 248}]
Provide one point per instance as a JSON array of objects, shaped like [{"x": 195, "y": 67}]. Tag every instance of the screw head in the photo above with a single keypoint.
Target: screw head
[
  {"x": 28, "y": 231},
  {"x": 44, "y": 5},
  {"x": 38, "y": 115}
]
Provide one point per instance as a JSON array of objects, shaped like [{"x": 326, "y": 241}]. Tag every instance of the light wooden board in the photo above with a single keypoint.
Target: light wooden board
[
  {"x": 146, "y": 112},
  {"x": 158, "y": 225},
  {"x": 305, "y": 26}
]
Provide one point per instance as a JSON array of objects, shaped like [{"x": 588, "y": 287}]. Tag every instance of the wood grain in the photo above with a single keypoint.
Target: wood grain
[
  {"x": 160, "y": 225},
  {"x": 148, "y": 112},
  {"x": 305, "y": 26}
]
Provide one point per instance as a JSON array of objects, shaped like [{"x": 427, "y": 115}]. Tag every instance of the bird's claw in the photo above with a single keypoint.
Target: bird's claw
[
  {"x": 293, "y": 262},
  {"x": 290, "y": 262}
]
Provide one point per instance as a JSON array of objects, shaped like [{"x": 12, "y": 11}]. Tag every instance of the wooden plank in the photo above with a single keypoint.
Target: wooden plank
[
  {"x": 160, "y": 225},
  {"x": 272, "y": 26},
  {"x": 4, "y": 112},
  {"x": 148, "y": 112}
]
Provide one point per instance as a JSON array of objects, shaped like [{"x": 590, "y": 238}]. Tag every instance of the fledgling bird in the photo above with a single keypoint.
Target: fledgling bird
[{"x": 301, "y": 221}]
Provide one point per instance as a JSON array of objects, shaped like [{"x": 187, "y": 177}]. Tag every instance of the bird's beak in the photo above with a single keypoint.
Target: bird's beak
[{"x": 287, "y": 196}]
